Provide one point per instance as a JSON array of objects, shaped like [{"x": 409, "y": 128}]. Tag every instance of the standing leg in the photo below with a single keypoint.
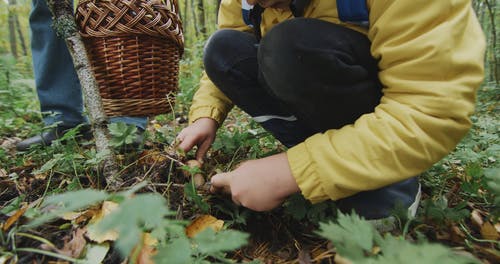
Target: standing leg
[
  {"x": 56, "y": 80},
  {"x": 57, "y": 83}
]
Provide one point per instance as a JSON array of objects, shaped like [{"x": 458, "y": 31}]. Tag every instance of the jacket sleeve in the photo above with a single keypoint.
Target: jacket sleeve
[
  {"x": 430, "y": 57},
  {"x": 208, "y": 100}
]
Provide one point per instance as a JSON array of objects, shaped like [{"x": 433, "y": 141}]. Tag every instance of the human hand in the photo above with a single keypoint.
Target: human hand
[
  {"x": 260, "y": 185},
  {"x": 200, "y": 133},
  {"x": 283, "y": 4}
]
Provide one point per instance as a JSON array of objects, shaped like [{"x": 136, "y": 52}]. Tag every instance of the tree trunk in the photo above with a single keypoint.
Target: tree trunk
[
  {"x": 217, "y": 12},
  {"x": 493, "y": 59},
  {"x": 65, "y": 26},
  {"x": 21, "y": 36},
  {"x": 185, "y": 19},
  {"x": 193, "y": 15},
  {"x": 12, "y": 29},
  {"x": 201, "y": 18}
]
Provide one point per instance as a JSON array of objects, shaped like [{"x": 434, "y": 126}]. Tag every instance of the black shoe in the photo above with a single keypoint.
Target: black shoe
[{"x": 46, "y": 138}]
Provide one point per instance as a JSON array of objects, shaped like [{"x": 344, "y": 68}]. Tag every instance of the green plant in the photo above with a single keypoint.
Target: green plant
[
  {"x": 122, "y": 134},
  {"x": 493, "y": 184},
  {"x": 357, "y": 240},
  {"x": 193, "y": 196},
  {"x": 141, "y": 213},
  {"x": 439, "y": 210},
  {"x": 301, "y": 209}
]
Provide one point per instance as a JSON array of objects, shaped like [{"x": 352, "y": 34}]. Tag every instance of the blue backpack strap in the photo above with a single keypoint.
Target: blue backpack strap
[
  {"x": 252, "y": 16},
  {"x": 245, "y": 12},
  {"x": 353, "y": 11}
]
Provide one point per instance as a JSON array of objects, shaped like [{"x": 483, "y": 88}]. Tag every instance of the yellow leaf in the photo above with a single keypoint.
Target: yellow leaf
[
  {"x": 14, "y": 218},
  {"x": 488, "y": 231},
  {"x": 147, "y": 250},
  {"x": 106, "y": 208},
  {"x": 152, "y": 157},
  {"x": 71, "y": 215},
  {"x": 203, "y": 222}
]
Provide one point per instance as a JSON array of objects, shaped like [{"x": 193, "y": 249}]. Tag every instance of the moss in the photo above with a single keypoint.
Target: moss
[
  {"x": 64, "y": 26},
  {"x": 64, "y": 21}
]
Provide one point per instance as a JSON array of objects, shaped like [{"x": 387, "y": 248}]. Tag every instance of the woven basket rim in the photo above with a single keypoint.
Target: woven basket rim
[{"x": 124, "y": 24}]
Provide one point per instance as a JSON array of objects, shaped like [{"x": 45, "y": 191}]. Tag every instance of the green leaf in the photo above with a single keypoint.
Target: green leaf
[
  {"x": 178, "y": 251},
  {"x": 192, "y": 195},
  {"x": 397, "y": 250},
  {"x": 297, "y": 206},
  {"x": 12, "y": 206},
  {"x": 493, "y": 176},
  {"x": 474, "y": 170},
  {"x": 68, "y": 202},
  {"x": 122, "y": 133},
  {"x": 142, "y": 212},
  {"x": 49, "y": 165},
  {"x": 209, "y": 242},
  {"x": 352, "y": 235}
]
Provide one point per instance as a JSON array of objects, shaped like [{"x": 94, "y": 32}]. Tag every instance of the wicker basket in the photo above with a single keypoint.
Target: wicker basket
[{"x": 134, "y": 47}]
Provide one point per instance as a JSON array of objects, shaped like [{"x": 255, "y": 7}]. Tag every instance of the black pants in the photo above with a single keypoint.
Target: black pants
[{"x": 305, "y": 76}]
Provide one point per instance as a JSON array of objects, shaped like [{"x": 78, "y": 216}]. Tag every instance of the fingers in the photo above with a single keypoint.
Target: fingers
[
  {"x": 186, "y": 143},
  {"x": 202, "y": 150}
]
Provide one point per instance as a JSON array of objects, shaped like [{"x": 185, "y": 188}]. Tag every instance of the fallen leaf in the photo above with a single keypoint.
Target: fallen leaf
[
  {"x": 76, "y": 245},
  {"x": 10, "y": 143},
  {"x": 151, "y": 157},
  {"x": 3, "y": 173},
  {"x": 95, "y": 253},
  {"x": 14, "y": 218},
  {"x": 147, "y": 250},
  {"x": 79, "y": 217},
  {"x": 70, "y": 216},
  {"x": 457, "y": 235},
  {"x": 106, "y": 208},
  {"x": 488, "y": 231},
  {"x": 497, "y": 227},
  {"x": 201, "y": 223}
]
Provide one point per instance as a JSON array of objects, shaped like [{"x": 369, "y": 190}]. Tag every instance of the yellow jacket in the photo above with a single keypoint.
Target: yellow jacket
[{"x": 430, "y": 57}]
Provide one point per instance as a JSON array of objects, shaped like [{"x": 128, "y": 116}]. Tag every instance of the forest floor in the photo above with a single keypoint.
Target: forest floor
[{"x": 459, "y": 207}]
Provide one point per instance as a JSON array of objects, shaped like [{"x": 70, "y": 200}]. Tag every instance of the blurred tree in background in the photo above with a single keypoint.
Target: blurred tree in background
[{"x": 199, "y": 19}]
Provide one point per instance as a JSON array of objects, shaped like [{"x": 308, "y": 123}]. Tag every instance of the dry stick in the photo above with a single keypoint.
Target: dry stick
[{"x": 65, "y": 26}]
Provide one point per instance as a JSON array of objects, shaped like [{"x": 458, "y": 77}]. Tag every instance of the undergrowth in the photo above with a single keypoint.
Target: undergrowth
[{"x": 41, "y": 186}]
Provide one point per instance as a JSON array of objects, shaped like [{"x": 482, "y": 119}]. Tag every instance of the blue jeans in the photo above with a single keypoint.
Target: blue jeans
[
  {"x": 56, "y": 81},
  {"x": 305, "y": 76}
]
